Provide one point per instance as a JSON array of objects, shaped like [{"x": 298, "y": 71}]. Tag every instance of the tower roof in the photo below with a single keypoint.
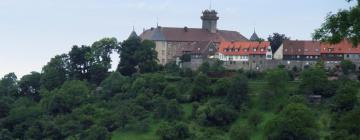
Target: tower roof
[
  {"x": 133, "y": 34},
  {"x": 254, "y": 37}
]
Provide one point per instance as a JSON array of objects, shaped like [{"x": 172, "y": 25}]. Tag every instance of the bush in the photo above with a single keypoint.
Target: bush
[
  {"x": 170, "y": 92},
  {"x": 240, "y": 132},
  {"x": 347, "y": 66},
  {"x": 255, "y": 118},
  {"x": 173, "y": 131},
  {"x": 216, "y": 114}
]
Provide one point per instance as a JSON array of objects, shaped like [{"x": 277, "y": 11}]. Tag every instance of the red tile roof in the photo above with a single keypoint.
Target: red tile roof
[
  {"x": 301, "y": 47},
  {"x": 243, "y": 48},
  {"x": 190, "y": 35},
  {"x": 344, "y": 47}
]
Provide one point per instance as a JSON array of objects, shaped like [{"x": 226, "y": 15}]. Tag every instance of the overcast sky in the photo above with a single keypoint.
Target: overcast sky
[{"x": 33, "y": 31}]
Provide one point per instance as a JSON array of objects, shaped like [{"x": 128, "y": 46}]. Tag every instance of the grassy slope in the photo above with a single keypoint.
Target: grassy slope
[{"x": 256, "y": 88}]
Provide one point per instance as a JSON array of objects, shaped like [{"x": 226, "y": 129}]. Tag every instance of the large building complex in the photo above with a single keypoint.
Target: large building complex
[
  {"x": 237, "y": 52},
  {"x": 171, "y": 40}
]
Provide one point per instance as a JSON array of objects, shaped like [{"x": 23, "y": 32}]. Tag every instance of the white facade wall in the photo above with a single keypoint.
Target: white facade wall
[
  {"x": 233, "y": 57},
  {"x": 278, "y": 55}
]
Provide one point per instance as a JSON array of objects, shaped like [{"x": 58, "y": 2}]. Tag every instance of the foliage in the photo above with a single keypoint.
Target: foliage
[
  {"x": 69, "y": 96},
  {"x": 277, "y": 79},
  {"x": 240, "y": 132},
  {"x": 238, "y": 91},
  {"x": 30, "y": 85},
  {"x": 313, "y": 81},
  {"x": 55, "y": 72},
  {"x": 347, "y": 66},
  {"x": 96, "y": 133},
  {"x": 173, "y": 131},
  {"x": 137, "y": 55},
  {"x": 216, "y": 114},
  {"x": 347, "y": 127},
  {"x": 296, "y": 122},
  {"x": 200, "y": 89},
  {"x": 276, "y": 40},
  {"x": 255, "y": 119},
  {"x": 345, "y": 24},
  {"x": 221, "y": 86},
  {"x": 115, "y": 83},
  {"x": 9, "y": 85},
  {"x": 345, "y": 99}
]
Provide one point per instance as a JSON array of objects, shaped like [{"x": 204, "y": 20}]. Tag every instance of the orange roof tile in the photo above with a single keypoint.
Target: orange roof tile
[
  {"x": 243, "y": 47},
  {"x": 344, "y": 47}
]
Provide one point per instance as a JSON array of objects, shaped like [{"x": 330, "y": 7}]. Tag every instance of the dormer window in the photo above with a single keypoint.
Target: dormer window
[
  {"x": 262, "y": 49},
  {"x": 317, "y": 50},
  {"x": 286, "y": 50},
  {"x": 306, "y": 50},
  {"x": 299, "y": 50},
  {"x": 254, "y": 49}
]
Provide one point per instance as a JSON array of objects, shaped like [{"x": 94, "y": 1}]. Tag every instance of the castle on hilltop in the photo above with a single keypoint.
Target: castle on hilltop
[
  {"x": 173, "y": 42},
  {"x": 238, "y": 52}
]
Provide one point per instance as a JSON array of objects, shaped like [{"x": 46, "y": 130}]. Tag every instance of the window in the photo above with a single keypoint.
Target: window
[
  {"x": 299, "y": 50},
  {"x": 298, "y": 56},
  {"x": 286, "y": 50},
  {"x": 254, "y": 49},
  {"x": 306, "y": 50},
  {"x": 262, "y": 50},
  {"x": 317, "y": 49}
]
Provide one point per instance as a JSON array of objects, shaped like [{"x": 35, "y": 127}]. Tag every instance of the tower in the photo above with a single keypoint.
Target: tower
[
  {"x": 209, "y": 20},
  {"x": 254, "y": 36}
]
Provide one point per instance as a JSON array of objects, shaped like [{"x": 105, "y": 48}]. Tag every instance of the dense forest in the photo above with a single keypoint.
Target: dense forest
[{"x": 76, "y": 97}]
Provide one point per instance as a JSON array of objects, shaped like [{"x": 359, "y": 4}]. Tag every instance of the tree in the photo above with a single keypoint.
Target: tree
[
  {"x": 92, "y": 62},
  {"x": 80, "y": 62},
  {"x": 345, "y": 99},
  {"x": 199, "y": 88},
  {"x": 295, "y": 122},
  {"x": 170, "y": 92},
  {"x": 168, "y": 109},
  {"x": 115, "y": 83},
  {"x": 276, "y": 41},
  {"x": 240, "y": 132},
  {"x": 69, "y": 96},
  {"x": 347, "y": 128},
  {"x": 277, "y": 79},
  {"x": 347, "y": 66},
  {"x": 147, "y": 57},
  {"x": 221, "y": 86},
  {"x": 96, "y": 133},
  {"x": 255, "y": 119},
  {"x": 313, "y": 81},
  {"x": 204, "y": 67},
  {"x": 345, "y": 24},
  {"x": 55, "y": 72},
  {"x": 217, "y": 114},
  {"x": 174, "y": 131},
  {"x": 9, "y": 85},
  {"x": 238, "y": 92},
  {"x": 30, "y": 85},
  {"x": 5, "y": 135},
  {"x": 137, "y": 55}
]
